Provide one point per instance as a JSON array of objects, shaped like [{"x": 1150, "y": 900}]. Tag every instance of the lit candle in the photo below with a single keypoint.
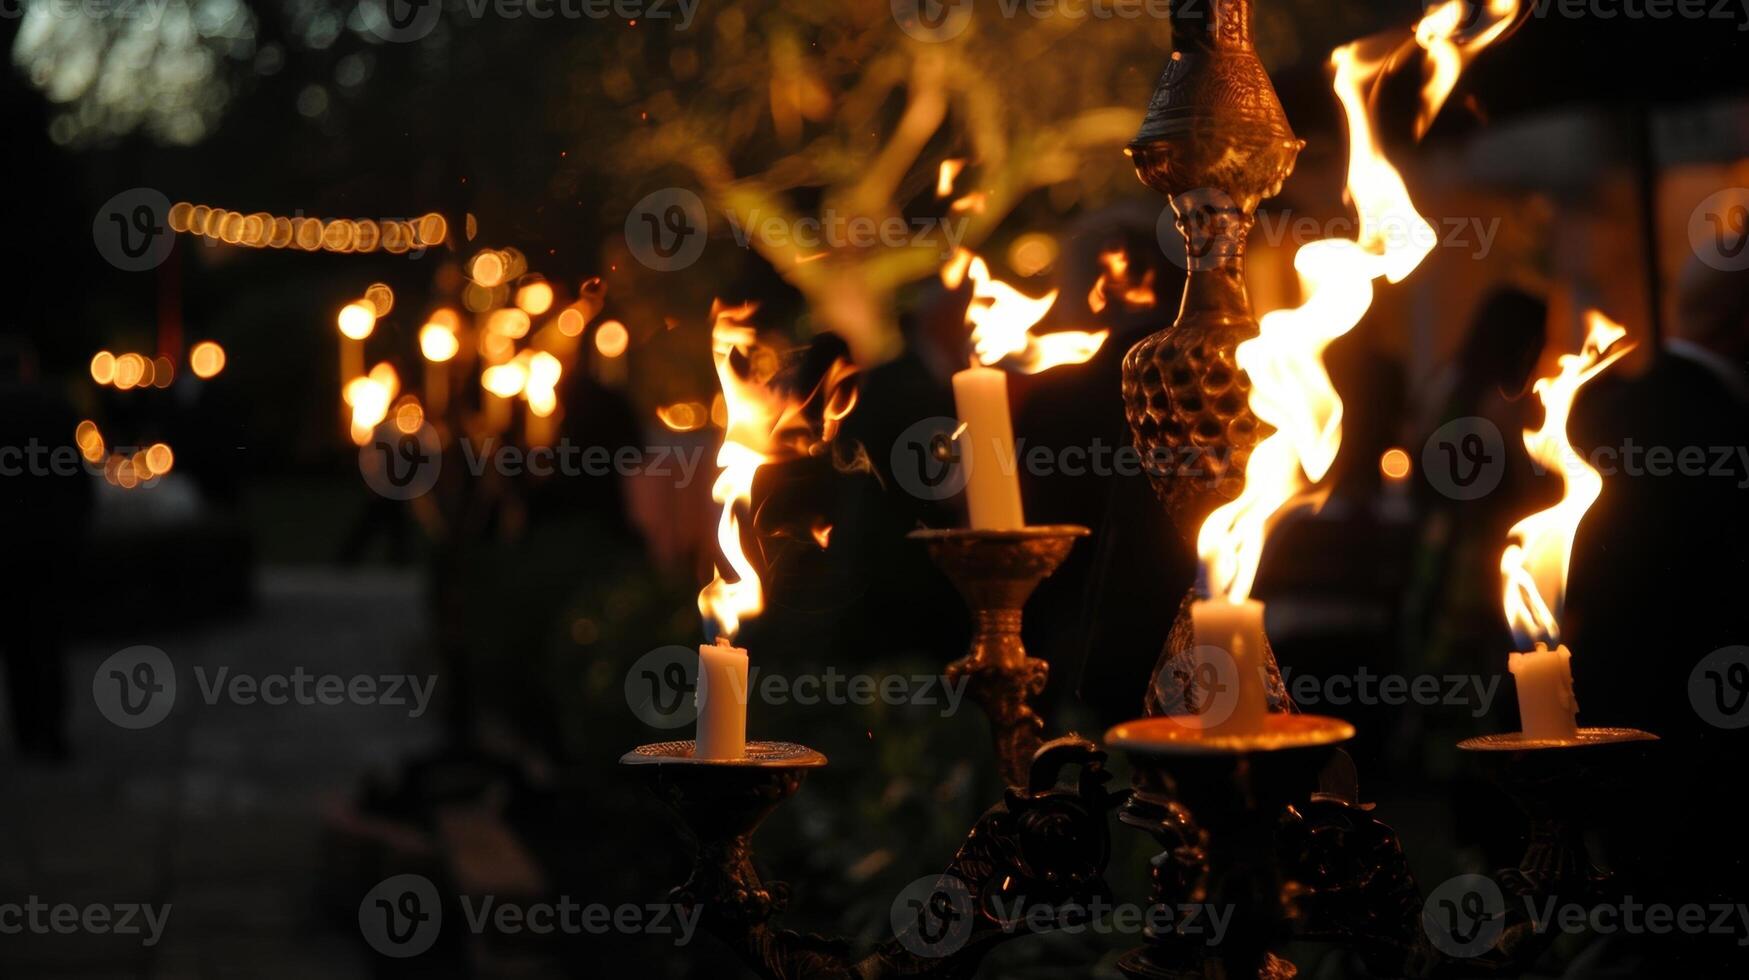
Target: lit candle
[
  {"x": 722, "y": 701},
  {"x": 1546, "y": 706},
  {"x": 980, "y": 395},
  {"x": 1236, "y": 630}
]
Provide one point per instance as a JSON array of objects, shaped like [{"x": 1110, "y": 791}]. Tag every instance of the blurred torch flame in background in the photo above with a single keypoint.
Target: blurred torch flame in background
[
  {"x": 1540, "y": 547},
  {"x": 1002, "y": 318},
  {"x": 1114, "y": 279},
  {"x": 764, "y": 423},
  {"x": 1449, "y": 50},
  {"x": 1290, "y": 389},
  {"x": 370, "y": 398}
]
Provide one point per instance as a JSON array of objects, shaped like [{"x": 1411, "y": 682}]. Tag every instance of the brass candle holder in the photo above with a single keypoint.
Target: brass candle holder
[
  {"x": 1214, "y": 801},
  {"x": 1555, "y": 783},
  {"x": 996, "y": 571},
  {"x": 720, "y": 803},
  {"x": 1047, "y": 841}
]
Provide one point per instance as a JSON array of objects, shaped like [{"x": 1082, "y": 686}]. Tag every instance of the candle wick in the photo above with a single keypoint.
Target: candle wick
[
  {"x": 972, "y": 361},
  {"x": 724, "y": 641}
]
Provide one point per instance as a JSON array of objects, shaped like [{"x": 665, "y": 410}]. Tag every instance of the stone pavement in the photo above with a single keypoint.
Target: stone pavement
[{"x": 215, "y": 810}]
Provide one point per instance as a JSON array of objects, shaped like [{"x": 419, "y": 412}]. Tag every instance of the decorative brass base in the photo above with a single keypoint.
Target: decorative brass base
[
  {"x": 1556, "y": 783},
  {"x": 721, "y": 803},
  {"x": 1214, "y": 801},
  {"x": 996, "y": 571},
  {"x": 1046, "y": 843}
]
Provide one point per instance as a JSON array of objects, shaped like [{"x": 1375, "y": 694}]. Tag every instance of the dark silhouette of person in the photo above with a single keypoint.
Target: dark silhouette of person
[
  {"x": 45, "y": 508},
  {"x": 1655, "y": 600}
]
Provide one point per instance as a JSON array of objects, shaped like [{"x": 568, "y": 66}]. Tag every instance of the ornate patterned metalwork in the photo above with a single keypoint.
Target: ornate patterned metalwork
[
  {"x": 1215, "y": 803},
  {"x": 1046, "y": 843},
  {"x": 1216, "y": 142}
]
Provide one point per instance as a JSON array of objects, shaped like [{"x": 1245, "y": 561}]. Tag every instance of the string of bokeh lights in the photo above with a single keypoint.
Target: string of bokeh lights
[
  {"x": 264, "y": 230},
  {"x": 524, "y": 336},
  {"x": 130, "y": 372}
]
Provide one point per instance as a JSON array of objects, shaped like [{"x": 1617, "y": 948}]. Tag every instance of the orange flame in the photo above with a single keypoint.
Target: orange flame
[
  {"x": 822, "y": 533},
  {"x": 1116, "y": 278},
  {"x": 1290, "y": 390},
  {"x": 1002, "y": 318},
  {"x": 1449, "y": 50},
  {"x": 764, "y": 423},
  {"x": 949, "y": 172},
  {"x": 1535, "y": 564}
]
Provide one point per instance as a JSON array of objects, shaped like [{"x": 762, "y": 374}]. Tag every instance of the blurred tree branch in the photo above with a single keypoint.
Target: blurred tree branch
[{"x": 797, "y": 111}]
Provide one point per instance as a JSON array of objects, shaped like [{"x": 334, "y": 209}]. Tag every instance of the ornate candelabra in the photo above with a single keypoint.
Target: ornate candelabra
[
  {"x": 1266, "y": 825},
  {"x": 1044, "y": 842}
]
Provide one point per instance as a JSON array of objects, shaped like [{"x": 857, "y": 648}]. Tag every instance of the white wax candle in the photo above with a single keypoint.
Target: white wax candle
[
  {"x": 722, "y": 701},
  {"x": 1546, "y": 706},
  {"x": 980, "y": 395},
  {"x": 1229, "y": 639}
]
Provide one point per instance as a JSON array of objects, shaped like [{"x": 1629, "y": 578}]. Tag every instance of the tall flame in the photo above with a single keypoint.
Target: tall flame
[
  {"x": 1290, "y": 390},
  {"x": 1002, "y": 318},
  {"x": 1449, "y": 49},
  {"x": 1539, "y": 548},
  {"x": 764, "y": 423}
]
